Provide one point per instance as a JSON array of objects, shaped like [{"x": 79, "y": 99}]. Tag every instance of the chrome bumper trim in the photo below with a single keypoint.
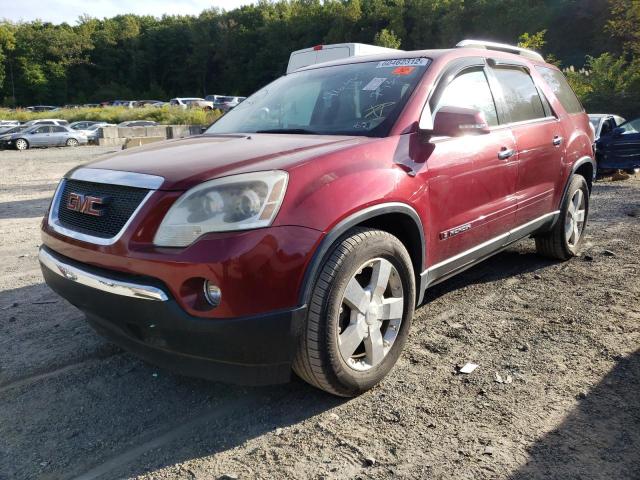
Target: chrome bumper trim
[
  {"x": 117, "y": 177},
  {"x": 116, "y": 287}
]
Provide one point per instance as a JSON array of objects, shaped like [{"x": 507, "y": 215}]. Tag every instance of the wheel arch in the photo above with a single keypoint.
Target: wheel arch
[
  {"x": 398, "y": 219},
  {"x": 585, "y": 166}
]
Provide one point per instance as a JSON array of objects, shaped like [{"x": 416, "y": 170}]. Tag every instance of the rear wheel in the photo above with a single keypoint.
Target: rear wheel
[
  {"x": 359, "y": 315},
  {"x": 22, "y": 144},
  {"x": 564, "y": 240},
  {"x": 72, "y": 142}
]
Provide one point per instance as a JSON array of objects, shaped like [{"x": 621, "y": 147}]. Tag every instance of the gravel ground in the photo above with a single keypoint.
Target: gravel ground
[{"x": 555, "y": 394}]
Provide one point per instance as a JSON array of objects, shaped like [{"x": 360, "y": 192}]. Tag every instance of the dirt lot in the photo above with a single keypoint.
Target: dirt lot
[{"x": 564, "y": 339}]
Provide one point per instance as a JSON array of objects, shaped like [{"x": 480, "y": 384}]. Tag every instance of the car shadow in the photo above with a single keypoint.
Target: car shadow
[
  {"x": 24, "y": 208},
  {"x": 600, "y": 438}
]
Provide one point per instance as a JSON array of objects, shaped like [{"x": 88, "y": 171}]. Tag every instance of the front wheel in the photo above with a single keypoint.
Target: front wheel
[
  {"x": 359, "y": 314},
  {"x": 71, "y": 142},
  {"x": 564, "y": 240},
  {"x": 22, "y": 144}
]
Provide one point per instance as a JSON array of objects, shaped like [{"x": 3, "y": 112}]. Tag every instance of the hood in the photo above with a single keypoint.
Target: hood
[{"x": 186, "y": 162}]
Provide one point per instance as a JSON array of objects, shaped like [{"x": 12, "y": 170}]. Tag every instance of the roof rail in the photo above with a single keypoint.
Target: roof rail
[{"x": 502, "y": 47}]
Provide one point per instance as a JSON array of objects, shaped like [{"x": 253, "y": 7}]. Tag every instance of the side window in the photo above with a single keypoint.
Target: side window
[
  {"x": 520, "y": 94},
  {"x": 555, "y": 79},
  {"x": 42, "y": 130},
  {"x": 607, "y": 127},
  {"x": 58, "y": 129},
  {"x": 470, "y": 89}
]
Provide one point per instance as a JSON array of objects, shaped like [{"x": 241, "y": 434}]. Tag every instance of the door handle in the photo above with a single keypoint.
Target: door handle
[
  {"x": 557, "y": 140},
  {"x": 505, "y": 153}
]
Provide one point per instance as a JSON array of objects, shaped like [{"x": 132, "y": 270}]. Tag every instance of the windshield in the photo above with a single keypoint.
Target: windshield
[
  {"x": 355, "y": 99},
  {"x": 632, "y": 126},
  {"x": 595, "y": 121}
]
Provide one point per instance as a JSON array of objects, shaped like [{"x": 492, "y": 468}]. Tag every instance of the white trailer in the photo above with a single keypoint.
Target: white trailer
[{"x": 327, "y": 53}]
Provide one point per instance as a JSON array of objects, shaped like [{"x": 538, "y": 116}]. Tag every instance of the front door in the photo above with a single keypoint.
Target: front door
[
  {"x": 471, "y": 179},
  {"x": 40, "y": 136},
  {"x": 623, "y": 147}
]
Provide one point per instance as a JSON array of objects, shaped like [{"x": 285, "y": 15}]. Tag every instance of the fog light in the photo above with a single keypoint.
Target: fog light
[{"x": 212, "y": 293}]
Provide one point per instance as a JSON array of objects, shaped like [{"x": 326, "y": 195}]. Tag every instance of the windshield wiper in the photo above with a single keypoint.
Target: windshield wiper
[{"x": 300, "y": 131}]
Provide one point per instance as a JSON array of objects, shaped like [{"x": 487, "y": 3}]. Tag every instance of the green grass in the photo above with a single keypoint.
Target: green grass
[{"x": 165, "y": 115}]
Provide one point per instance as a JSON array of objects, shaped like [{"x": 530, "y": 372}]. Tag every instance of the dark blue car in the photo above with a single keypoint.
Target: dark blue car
[{"x": 620, "y": 148}]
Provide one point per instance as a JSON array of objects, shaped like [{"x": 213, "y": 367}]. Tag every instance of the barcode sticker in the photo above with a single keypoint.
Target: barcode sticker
[{"x": 403, "y": 62}]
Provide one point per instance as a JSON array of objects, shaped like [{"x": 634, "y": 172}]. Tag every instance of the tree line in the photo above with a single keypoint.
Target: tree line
[{"x": 235, "y": 52}]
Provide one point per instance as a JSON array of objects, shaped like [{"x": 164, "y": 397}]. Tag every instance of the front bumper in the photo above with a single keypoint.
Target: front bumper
[{"x": 140, "y": 315}]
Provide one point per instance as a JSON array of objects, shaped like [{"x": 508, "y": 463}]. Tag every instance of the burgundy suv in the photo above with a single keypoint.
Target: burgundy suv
[{"x": 301, "y": 230}]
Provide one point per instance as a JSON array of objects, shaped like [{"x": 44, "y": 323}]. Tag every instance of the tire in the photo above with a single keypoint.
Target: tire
[
  {"x": 333, "y": 322},
  {"x": 22, "y": 144},
  {"x": 71, "y": 142},
  {"x": 560, "y": 243}
]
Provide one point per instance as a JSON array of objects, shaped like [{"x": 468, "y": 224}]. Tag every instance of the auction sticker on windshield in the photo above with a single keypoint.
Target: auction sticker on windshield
[{"x": 403, "y": 62}]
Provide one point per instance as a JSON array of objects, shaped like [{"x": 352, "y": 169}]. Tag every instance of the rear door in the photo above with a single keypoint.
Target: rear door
[
  {"x": 59, "y": 136},
  {"x": 539, "y": 137},
  {"x": 471, "y": 179}
]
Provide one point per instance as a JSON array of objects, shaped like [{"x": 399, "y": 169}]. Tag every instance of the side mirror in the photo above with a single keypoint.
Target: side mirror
[
  {"x": 616, "y": 132},
  {"x": 456, "y": 122}
]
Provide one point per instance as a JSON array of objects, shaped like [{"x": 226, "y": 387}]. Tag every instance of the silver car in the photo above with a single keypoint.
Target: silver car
[{"x": 45, "y": 136}]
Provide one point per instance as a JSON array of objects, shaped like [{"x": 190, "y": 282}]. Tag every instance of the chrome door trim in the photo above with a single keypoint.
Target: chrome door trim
[
  {"x": 117, "y": 177},
  {"x": 449, "y": 267},
  {"x": 98, "y": 282},
  {"x": 55, "y": 224}
]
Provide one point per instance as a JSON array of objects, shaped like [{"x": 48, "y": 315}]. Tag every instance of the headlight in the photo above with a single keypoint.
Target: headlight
[{"x": 237, "y": 202}]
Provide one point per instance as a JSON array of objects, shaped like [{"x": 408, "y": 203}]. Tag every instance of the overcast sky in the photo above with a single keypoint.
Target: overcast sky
[{"x": 58, "y": 11}]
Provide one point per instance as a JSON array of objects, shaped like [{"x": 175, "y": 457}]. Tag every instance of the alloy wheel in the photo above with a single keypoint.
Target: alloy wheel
[
  {"x": 574, "y": 221},
  {"x": 370, "y": 314},
  {"x": 72, "y": 142},
  {"x": 21, "y": 144}
]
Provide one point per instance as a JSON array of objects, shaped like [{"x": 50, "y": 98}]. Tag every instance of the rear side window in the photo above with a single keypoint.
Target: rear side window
[
  {"x": 470, "y": 89},
  {"x": 520, "y": 94},
  {"x": 555, "y": 79}
]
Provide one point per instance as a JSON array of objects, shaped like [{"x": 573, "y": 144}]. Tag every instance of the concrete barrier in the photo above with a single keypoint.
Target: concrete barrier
[
  {"x": 139, "y": 141},
  {"x": 111, "y": 142},
  {"x": 131, "y": 132},
  {"x": 114, "y": 136},
  {"x": 108, "y": 132}
]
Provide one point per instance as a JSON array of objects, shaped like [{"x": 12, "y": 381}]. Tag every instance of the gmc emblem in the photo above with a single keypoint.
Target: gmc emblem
[{"x": 86, "y": 204}]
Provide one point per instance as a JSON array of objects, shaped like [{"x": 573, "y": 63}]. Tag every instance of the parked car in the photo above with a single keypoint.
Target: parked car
[
  {"x": 83, "y": 124},
  {"x": 5, "y": 135},
  {"x": 604, "y": 123},
  {"x": 8, "y": 124},
  {"x": 138, "y": 123},
  {"x": 302, "y": 229},
  {"x": 191, "y": 102},
  {"x": 620, "y": 148},
  {"x": 146, "y": 103},
  {"x": 226, "y": 103},
  {"x": 92, "y": 132},
  {"x": 48, "y": 121},
  {"x": 44, "y": 136},
  {"x": 43, "y": 108},
  {"x": 124, "y": 103},
  {"x": 91, "y": 105}
]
